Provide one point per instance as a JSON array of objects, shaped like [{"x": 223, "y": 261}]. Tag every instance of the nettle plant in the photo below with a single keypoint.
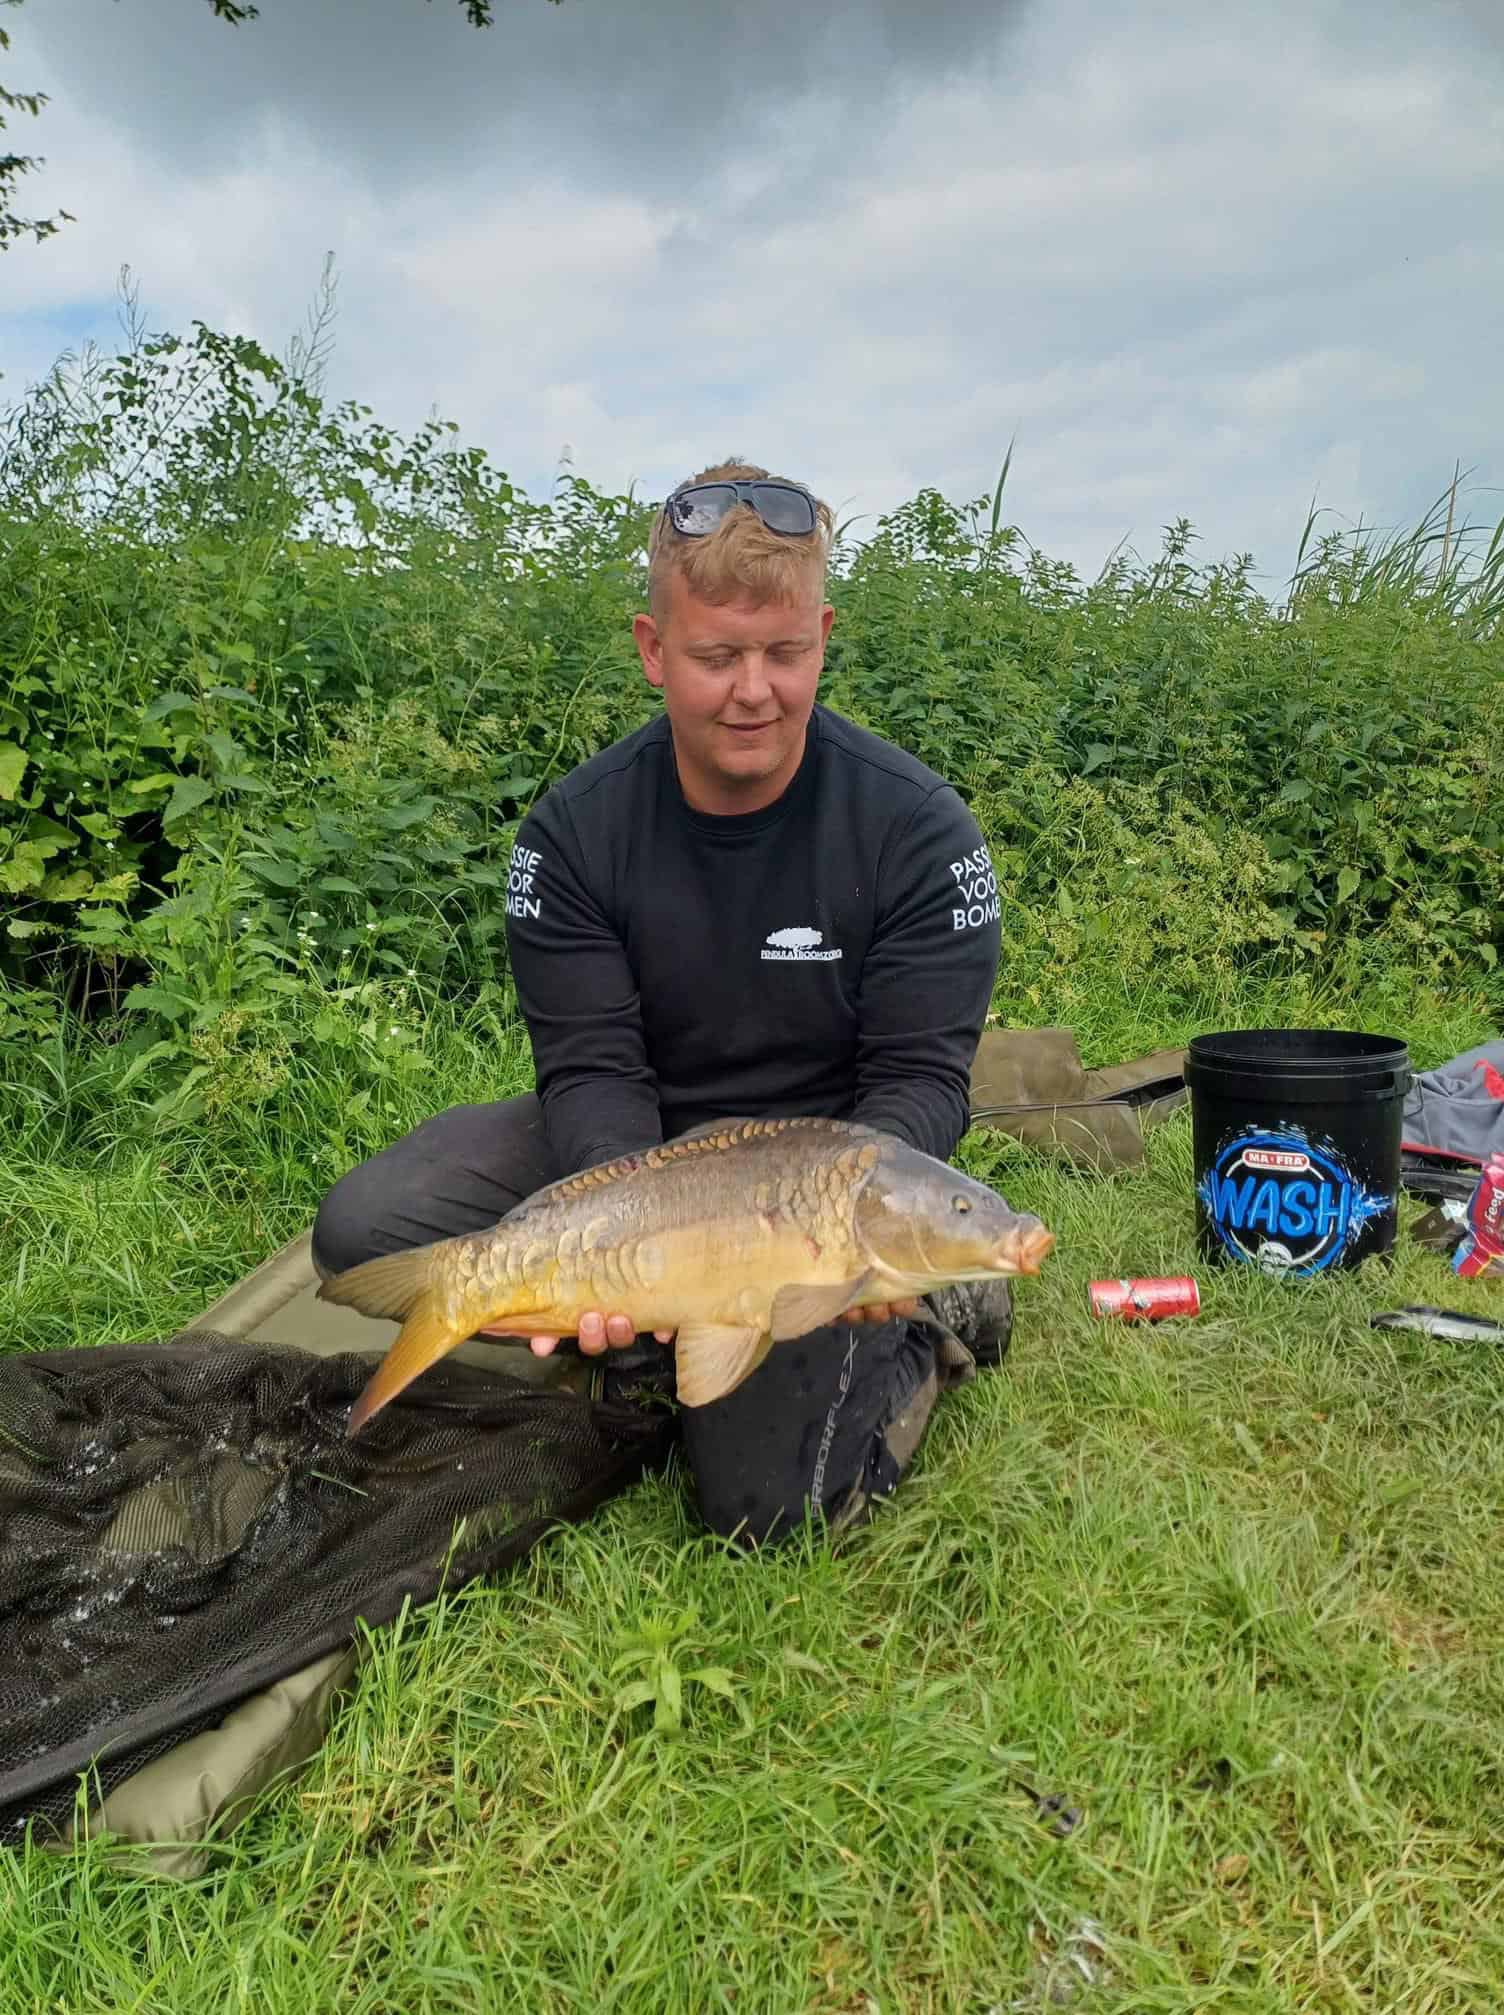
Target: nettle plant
[
  {"x": 280, "y": 682},
  {"x": 268, "y": 660}
]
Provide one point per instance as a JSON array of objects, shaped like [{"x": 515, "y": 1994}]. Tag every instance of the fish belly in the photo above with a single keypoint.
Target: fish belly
[{"x": 711, "y": 1272}]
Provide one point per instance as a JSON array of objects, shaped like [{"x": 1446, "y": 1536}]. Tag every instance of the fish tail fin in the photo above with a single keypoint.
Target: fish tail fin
[
  {"x": 398, "y": 1286},
  {"x": 425, "y": 1338}
]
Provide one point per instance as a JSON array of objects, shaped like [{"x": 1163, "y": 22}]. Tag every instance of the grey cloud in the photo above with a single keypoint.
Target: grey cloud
[
  {"x": 668, "y": 91},
  {"x": 1199, "y": 265}
]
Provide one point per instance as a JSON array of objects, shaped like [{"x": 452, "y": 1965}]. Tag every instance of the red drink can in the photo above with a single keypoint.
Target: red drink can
[{"x": 1145, "y": 1300}]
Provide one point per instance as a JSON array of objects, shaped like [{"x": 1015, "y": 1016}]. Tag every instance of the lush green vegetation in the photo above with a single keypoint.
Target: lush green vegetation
[{"x": 278, "y": 684}]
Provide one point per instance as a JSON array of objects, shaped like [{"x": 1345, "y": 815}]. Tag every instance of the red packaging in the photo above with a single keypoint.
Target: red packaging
[
  {"x": 1481, "y": 1252},
  {"x": 1145, "y": 1300}
]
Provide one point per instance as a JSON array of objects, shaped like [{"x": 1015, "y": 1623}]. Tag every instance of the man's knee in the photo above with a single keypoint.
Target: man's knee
[
  {"x": 768, "y": 1517},
  {"x": 344, "y": 1224},
  {"x": 459, "y": 1170},
  {"x": 773, "y": 1507}
]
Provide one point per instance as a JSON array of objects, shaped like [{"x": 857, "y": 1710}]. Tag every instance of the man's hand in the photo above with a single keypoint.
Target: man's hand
[
  {"x": 597, "y": 1332},
  {"x": 881, "y": 1311}
]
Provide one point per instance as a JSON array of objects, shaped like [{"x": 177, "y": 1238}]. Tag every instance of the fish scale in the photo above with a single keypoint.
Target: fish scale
[{"x": 736, "y": 1237}]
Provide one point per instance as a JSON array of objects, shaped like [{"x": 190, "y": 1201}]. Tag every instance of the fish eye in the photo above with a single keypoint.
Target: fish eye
[{"x": 960, "y": 1203}]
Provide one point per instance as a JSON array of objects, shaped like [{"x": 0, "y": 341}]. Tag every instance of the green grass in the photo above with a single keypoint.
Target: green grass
[{"x": 1231, "y": 1587}]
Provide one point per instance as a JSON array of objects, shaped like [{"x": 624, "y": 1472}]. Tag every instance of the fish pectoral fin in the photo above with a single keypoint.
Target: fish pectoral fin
[
  {"x": 797, "y": 1310},
  {"x": 712, "y": 1359}
]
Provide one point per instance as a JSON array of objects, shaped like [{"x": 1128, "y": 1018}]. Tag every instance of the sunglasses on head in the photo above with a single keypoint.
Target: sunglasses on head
[{"x": 697, "y": 508}]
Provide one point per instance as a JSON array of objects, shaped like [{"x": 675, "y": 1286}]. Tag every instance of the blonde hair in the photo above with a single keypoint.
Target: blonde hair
[{"x": 741, "y": 556}]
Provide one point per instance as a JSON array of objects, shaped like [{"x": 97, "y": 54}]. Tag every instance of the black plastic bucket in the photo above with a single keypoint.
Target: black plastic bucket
[{"x": 1296, "y": 1135}]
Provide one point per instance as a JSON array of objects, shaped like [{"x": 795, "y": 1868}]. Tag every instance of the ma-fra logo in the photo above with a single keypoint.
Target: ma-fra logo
[
  {"x": 799, "y": 941},
  {"x": 1282, "y": 1202}
]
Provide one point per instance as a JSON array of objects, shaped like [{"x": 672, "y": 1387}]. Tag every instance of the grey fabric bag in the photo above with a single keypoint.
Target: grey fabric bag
[{"x": 1457, "y": 1110}]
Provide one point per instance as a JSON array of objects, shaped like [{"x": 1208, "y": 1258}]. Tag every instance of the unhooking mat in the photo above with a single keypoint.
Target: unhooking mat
[{"x": 189, "y": 1543}]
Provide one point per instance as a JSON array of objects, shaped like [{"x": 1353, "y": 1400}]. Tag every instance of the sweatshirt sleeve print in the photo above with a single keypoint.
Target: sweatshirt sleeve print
[
  {"x": 579, "y": 999},
  {"x": 927, "y": 978}
]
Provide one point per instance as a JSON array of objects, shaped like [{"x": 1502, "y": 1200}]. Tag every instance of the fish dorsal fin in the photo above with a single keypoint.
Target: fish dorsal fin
[
  {"x": 699, "y": 1140},
  {"x": 714, "y": 1136},
  {"x": 712, "y": 1359},
  {"x": 797, "y": 1310},
  {"x": 707, "y": 1128},
  {"x": 795, "y": 1123}
]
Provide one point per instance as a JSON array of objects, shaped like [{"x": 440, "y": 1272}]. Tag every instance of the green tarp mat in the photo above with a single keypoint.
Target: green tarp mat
[{"x": 189, "y": 1543}]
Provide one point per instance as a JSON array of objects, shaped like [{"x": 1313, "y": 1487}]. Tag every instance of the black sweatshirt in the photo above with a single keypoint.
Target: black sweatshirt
[{"x": 831, "y": 954}]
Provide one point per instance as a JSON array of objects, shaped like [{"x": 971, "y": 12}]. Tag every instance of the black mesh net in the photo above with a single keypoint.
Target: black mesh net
[{"x": 184, "y": 1524}]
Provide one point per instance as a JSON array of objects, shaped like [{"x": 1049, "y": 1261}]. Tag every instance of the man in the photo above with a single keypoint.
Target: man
[{"x": 750, "y": 907}]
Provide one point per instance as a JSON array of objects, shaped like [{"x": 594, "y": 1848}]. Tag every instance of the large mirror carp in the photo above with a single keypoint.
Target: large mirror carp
[{"x": 738, "y": 1236}]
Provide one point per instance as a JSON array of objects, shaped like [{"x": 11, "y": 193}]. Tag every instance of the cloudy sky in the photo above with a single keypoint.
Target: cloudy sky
[{"x": 1200, "y": 260}]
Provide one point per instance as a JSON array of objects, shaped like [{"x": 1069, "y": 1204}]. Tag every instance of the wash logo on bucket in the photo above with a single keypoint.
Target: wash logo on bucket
[{"x": 1279, "y": 1201}]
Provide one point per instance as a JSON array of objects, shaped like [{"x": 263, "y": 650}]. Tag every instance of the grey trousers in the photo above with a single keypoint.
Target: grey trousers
[{"x": 825, "y": 1425}]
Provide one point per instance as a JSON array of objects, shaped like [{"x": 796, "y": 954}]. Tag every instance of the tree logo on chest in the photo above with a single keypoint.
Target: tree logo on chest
[{"x": 798, "y": 941}]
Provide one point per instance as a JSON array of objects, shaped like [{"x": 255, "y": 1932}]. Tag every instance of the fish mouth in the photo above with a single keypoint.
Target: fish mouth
[{"x": 1027, "y": 1253}]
